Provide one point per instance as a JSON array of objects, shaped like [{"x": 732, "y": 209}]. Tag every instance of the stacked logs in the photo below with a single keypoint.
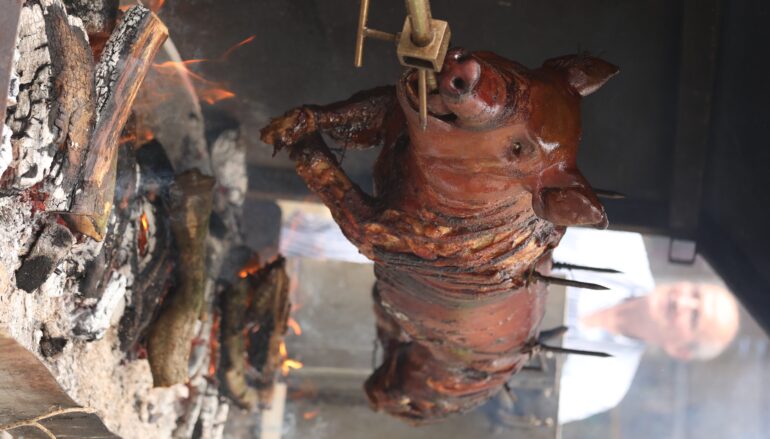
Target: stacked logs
[{"x": 132, "y": 227}]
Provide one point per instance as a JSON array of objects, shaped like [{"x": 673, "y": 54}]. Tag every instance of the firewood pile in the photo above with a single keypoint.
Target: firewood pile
[{"x": 122, "y": 269}]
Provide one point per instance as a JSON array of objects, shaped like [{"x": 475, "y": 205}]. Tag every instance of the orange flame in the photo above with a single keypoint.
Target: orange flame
[
  {"x": 144, "y": 227},
  {"x": 287, "y": 363},
  {"x": 295, "y": 327},
  {"x": 237, "y": 46},
  {"x": 208, "y": 91},
  {"x": 154, "y": 5},
  {"x": 309, "y": 416}
]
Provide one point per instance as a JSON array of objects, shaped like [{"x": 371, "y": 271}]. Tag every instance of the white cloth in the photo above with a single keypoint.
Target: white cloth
[
  {"x": 591, "y": 385},
  {"x": 317, "y": 236}
]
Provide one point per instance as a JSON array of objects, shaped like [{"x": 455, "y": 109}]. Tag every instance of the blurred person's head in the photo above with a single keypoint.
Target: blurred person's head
[
  {"x": 689, "y": 321},
  {"x": 695, "y": 321}
]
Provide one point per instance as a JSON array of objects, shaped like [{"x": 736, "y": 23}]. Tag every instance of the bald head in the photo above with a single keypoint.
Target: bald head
[{"x": 694, "y": 321}]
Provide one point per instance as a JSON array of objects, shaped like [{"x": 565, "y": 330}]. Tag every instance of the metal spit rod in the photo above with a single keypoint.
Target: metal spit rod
[{"x": 419, "y": 15}]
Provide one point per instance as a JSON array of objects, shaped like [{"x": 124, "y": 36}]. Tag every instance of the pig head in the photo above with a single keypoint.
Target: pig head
[{"x": 497, "y": 127}]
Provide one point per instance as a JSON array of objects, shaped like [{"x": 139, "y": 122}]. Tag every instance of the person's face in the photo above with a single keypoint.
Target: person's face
[{"x": 687, "y": 314}]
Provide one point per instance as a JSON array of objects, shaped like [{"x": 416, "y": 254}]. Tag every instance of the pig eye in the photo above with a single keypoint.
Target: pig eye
[{"x": 517, "y": 149}]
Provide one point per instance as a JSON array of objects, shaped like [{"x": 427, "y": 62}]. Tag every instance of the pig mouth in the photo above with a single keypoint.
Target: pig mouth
[
  {"x": 457, "y": 84},
  {"x": 437, "y": 107}
]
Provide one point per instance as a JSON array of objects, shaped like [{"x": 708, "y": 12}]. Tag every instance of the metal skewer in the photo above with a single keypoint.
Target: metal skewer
[
  {"x": 422, "y": 45},
  {"x": 422, "y": 35}
]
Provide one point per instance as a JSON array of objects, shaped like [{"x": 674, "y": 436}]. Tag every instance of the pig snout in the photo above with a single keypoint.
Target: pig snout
[{"x": 460, "y": 74}]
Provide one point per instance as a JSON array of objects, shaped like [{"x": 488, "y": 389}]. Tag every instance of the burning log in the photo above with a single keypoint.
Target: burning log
[
  {"x": 190, "y": 200},
  {"x": 255, "y": 314},
  {"x": 51, "y": 100},
  {"x": 52, "y": 245},
  {"x": 126, "y": 58},
  {"x": 73, "y": 107},
  {"x": 154, "y": 264}
]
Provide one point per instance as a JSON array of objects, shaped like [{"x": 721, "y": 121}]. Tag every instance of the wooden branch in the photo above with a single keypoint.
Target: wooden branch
[
  {"x": 170, "y": 337},
  {"x": 125, "y": 61},
  {"x": 261, "y": 302}
]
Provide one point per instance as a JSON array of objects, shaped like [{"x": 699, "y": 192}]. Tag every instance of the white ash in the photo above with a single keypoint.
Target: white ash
[
  {"x": 228, "y": 159},
  {"x": 54, "y": 285},
  {"x": 30, "y": 116},
  {"x": 13, "y": 83},
  {"x": 213, "y": 414},
  {"x": 6, "y": 149},
  {"x": 186, "y": 424},
  {"x": 95, "y": 374},
  {"x": 93, "y": 324}
]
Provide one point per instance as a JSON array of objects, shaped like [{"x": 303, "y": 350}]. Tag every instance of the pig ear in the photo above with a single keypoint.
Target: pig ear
[
  {"x": 565, "y": 198},
  {"x": 585, "y": 73}
]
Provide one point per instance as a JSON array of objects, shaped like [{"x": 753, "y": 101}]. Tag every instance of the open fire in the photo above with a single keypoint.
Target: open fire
[{"x": 105, "y": 204}]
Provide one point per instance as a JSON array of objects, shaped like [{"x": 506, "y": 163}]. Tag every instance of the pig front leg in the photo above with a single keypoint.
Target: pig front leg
[
  {"x": 368, "y": 119},
  {"x": 350, "y": 206}
]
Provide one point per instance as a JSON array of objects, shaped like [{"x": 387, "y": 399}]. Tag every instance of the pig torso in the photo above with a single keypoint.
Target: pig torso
[{"x": 452, "y": 287}]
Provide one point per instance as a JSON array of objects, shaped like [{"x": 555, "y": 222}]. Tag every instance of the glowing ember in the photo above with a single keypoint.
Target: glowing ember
[
  {"x": 250, "y": 268},
  {"x": 214, "y": 345},
  {"x": 309, "y": 416},
  {"x": 290, "y": 364},
  {"x": 294, "y": 326},
  {"x": 287, "y": 363},
  {"x": 241, "y": 44},
  {"x": 154, "y": 5},
  {"x": 144, "y": 227}
]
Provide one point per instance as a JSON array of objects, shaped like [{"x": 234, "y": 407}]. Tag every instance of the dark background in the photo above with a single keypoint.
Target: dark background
[{"x": 682, "y": 131}]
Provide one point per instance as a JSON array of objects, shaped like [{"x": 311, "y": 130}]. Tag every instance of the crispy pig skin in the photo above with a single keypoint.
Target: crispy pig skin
[{"x": 464, "y": 212}]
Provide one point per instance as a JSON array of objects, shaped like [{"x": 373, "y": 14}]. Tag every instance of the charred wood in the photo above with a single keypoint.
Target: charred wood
[
  {"x": 255, "y": 312},
  {"x": 72, "y": 109},
  {"x": 155, "y": 266},
  {"x": 51, "y": 246},
  {"x": 125, "y": 61}
]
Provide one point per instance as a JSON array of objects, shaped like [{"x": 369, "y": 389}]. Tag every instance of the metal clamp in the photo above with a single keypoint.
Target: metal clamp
[{"x": 422, "y": 44}]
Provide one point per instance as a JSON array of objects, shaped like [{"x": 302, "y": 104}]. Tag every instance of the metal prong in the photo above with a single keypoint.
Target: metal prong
[
  {"x": 611, "y": 195},
  {"x": 361, "y": 34},
  {"x": 568, "y": 266},
  {"x": 568, "y": 282},
  {"x": 552, "y": 333},
  {"x": 423, "y": 90},
  {"x": 432, "y": 83},
  {"x": 380, "y": 35},
  {"x": 560, "y": 350}
]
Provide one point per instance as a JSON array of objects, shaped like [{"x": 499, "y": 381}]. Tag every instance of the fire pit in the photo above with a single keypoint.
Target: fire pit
[{"x": 125, "y": 286}]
